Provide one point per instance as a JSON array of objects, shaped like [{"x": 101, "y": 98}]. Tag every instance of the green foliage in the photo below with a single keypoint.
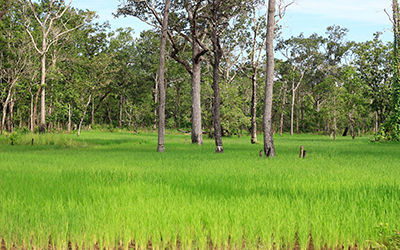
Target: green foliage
[{"x": 390, "y": 131}]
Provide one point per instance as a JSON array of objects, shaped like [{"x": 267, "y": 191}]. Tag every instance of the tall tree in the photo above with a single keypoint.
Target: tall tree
[
  {"x": 216, "y": 20},
  {"x": 188, "y": 23},
  {"x": 49, "y": 36},
  {"x": 161, "y": 79},
  {"x": 256, "y": 53},
  {"x": 269, "y": 149},
  {"x": 372, "y": 60},
  {"x": 396, "y": 64},
  {"x": 15, "y": 58}
]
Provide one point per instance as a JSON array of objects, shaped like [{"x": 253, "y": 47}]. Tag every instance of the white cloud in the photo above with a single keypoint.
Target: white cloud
[{"x": 365, "y": 11}]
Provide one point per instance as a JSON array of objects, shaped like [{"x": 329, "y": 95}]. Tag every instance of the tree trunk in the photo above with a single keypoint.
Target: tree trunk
[
  {"x": 334, "y": 119},
  {"x": 302, "y": 113},
  {"x": 92, "y": 114},
  {"x": 83, "y": 116},
  {"x": 6, "y": 103},
  {"x": 352, "y": 125},
  {"x": 161, "y": 80},
  {"x": 376, "y": 121},
  {"x": 35, "y": 107},
  {"x": 11, "y": 116},
  {"x": 156, "y": 98},
  {"x": 197, "y": 133},
  {"x": 49, "y": 114},
  {"x": 42, "y": 128},
  {"x": 108, "y": 109},
  {"x": 69, "y": 118},
  {"x": 216, "y": 64},
  {"x": 282, "y": 110},
  {"x": 177, "y": 107},
  {"x": 121, "y": 101},
  {"x": 292, "y": 110},
  {"x": 32, "y": 116},
  {"x": 254, "y": 106},
  {"x": 298, "y": 115},
  {"x": 269, "y": 149}
]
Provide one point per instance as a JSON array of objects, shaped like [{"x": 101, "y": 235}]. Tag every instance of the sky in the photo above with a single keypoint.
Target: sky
[{"x": 362, "y": 17}]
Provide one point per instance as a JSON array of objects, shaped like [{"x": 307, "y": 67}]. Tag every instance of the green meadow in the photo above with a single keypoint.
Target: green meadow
[{"x": 112, "y": 188}]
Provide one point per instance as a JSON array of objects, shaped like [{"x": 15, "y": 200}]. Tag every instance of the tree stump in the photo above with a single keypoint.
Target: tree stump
[{"x": 301, "y": 152}]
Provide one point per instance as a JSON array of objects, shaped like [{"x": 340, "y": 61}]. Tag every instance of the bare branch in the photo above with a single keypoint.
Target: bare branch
[
  {"x": 34, "y": 13},
  {"x": 282, "y": 7},
  {"x": 63, "y": 12},
  {"x": 389, "y": 16},
  {"x": 61, "y": 34},
  {"x": 33, "y": 41}
]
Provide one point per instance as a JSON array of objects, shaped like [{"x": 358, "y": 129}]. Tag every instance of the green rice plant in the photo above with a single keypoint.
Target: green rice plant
[{"x": 112, "y": 188}]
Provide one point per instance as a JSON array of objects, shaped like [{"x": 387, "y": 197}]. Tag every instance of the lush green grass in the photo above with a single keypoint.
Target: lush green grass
[{"x": 115, "y": 188}]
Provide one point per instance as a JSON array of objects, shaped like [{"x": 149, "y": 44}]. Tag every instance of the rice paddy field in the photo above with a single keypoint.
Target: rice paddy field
[{"x": 113, "y": 189}]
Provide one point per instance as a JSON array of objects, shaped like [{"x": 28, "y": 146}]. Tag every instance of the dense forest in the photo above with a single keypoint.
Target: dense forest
[{"x": 60, "y": 69}]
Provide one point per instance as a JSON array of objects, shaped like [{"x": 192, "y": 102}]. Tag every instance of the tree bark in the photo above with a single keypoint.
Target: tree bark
[
  {"x": 42, "y": 128},
  {"x": 298, "y": 115},
  {"x": 255, "y": 62},
  {"x": 217, "y": 61},
  {"x": 177, "y": 107},
  {"x": 294, "y": 89},
  {"x": 282, "y": 110},
  {"x": 161, "y": 80},
  {"x": 69, "y": 118},
  {"x": 11, "y": 115},
  {"x": 254, "y": 106},
  {"x": 292, "y": 110},
  {"x": 269, "y": 149},
  {"x": 121, "y": 101},
  {"x": 6, "y": 104},
  {"x": 92, "y": 114},
  {"x": 197, "y": 133},
  {"x": 108, "y": 109},
  {"x": 32, "y": 116},
  {"x": 83, "y": 116},
  {"x": 352, "y": 125},
  {"x": 156, "y": 99},
  {"x": 334, "y": 119}
]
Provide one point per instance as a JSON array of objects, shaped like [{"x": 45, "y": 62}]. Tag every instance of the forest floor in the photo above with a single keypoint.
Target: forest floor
[{"x": 111, "y": 188}]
